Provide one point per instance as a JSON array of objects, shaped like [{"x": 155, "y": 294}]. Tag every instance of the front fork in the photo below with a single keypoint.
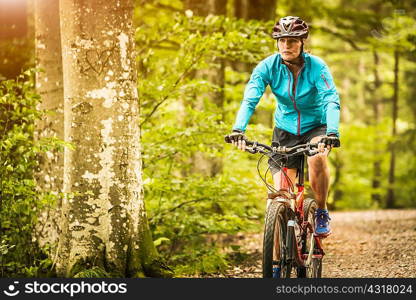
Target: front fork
[{"x": 290, "y": 240}]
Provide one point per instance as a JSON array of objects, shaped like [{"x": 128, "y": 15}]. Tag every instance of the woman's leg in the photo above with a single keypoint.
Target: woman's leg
[
  {"x": 319, "y": 175},
  {"x": 280, "y": 180}
]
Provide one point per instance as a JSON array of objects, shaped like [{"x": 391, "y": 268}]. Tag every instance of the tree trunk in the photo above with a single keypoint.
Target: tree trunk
[
  {"x": 361, "y": 91},
  {"x": 264, "y": 10},
  {"x": 376, "y": 181},
  {"x": 49, "y": 86},
  {"x": 346, "y": 114},
  {"x": 390, "y": 203},
  {"x": 261, "y": 10},
  {"x": 216, "y": 75},
  {"x": 104, "y": 221}
]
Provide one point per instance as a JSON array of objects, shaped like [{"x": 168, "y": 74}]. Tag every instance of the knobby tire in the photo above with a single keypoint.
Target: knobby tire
[{"x": 275, "y": 229}]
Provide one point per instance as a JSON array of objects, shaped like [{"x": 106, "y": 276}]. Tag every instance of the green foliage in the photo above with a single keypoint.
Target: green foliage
[
  {"x": 375, "y": 29},
  {"x": 395, "y": 33},
  {"x": 20, "y": 202},
  {"x": 186, "y": 207},
  {"x": 180, "y": 118},
  {"x": 188, "y": 211},
  {"x": 95, "y": 272},
  {"x": 357, "y": 158},
  {"x": 200, "y": 261}
]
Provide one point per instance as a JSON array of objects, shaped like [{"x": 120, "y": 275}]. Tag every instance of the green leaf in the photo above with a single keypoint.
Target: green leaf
[{"x": 159, "y": 241}]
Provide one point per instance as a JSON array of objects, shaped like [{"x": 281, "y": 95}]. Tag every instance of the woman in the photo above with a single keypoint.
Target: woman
[{"x": 307, "y": 111}]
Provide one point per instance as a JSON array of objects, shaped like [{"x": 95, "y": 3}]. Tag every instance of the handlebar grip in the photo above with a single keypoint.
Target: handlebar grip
[
  {"x": 227, "y": 139},
  {"x": 334, "y": 141}
]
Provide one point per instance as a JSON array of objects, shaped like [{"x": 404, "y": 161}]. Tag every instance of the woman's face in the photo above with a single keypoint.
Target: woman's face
[{"x": 289, "y": 47}]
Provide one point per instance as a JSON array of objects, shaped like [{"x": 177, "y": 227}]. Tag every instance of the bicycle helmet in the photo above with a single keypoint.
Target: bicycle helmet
[{"x": 290, "y": 27}]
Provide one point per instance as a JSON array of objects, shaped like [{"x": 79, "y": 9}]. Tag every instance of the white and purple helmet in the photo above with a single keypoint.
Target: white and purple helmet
[{"x": 290, "y": 27}]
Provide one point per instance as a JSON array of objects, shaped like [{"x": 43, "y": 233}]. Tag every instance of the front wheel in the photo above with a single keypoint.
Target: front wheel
[{"x": 274, "y": 241}]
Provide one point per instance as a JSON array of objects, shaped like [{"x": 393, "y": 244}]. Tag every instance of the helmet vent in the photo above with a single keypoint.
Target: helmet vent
[{"x": 290, "y": 27}]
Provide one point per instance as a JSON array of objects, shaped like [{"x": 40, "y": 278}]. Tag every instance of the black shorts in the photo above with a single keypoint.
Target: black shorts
[{"x": 284, "y": 138}]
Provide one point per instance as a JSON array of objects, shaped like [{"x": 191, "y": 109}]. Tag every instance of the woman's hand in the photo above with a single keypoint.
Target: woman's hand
[
  {"x": 328, "y": 142},
  {"x": 238, "y": 139}
]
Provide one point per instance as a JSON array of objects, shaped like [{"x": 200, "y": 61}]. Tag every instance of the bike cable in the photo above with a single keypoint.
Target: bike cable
[
  {"x": 269, "y": 187},
  {"x": 280, "y": 164}
]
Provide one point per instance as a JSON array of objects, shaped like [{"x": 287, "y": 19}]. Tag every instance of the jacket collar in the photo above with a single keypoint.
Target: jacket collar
[
  {"x": 305, "y": 56},
  {"x": 306, "y": 61}
]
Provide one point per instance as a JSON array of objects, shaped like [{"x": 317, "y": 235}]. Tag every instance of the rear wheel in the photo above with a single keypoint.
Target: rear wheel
[
  {"x": 274, "y": 240},
  {"x": 314, "y": 264}
]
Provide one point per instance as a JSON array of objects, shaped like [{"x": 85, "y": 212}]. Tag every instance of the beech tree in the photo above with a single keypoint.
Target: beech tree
[{"x": 104, "y": 224}]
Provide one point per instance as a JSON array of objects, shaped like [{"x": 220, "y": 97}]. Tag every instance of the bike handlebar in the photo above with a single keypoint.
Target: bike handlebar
[{"x": 254, "y": 147}]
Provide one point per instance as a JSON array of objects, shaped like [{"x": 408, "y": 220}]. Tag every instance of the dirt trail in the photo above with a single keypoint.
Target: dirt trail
[{"x": 363, "y": 244}]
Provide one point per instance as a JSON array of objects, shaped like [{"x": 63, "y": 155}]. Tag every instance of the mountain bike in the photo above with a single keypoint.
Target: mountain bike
[{"x": 289, "y": 242}]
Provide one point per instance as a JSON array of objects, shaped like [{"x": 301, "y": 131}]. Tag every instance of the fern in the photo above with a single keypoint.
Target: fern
[{"x": 95, "y": 272}]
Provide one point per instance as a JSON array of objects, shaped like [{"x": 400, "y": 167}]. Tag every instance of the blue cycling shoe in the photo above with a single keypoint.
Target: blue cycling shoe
[
  {"x": 322, "y": 218},
  {"x": 276, "y": 272}
]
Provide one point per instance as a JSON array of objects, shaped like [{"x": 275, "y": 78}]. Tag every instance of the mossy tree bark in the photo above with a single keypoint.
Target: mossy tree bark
[
  {"x": 104, "y": 221},
  {"x": 50, "y": 87}
]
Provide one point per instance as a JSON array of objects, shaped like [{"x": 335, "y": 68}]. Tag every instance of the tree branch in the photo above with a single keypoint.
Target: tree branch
[
  {"x": 174, "y": 85},
  {"x": 168, "y": 7},
  {"x": 340, "y": 36},
  {"x": 179, "y": 206},
  {"x": 157, "y": 45},
  {"x": 185, "y": 203}
]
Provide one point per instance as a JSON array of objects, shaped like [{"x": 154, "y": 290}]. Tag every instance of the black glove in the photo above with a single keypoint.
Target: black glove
[
  {"x": 235, "y": 136},
  {"x": 332, "y": 140}
]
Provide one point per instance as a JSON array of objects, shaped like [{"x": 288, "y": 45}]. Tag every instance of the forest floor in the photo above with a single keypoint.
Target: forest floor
[{"x": 375, "y": 244}]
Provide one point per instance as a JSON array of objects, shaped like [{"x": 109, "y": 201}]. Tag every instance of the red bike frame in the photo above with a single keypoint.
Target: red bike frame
[{"x": 304, "y": 226}]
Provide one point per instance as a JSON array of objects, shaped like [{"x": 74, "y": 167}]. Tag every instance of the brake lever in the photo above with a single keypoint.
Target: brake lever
[{"x": 313, "y": 152}]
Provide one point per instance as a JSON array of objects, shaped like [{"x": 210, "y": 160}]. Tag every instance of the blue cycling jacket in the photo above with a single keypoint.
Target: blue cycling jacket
[{"x": 313, "y": 102}]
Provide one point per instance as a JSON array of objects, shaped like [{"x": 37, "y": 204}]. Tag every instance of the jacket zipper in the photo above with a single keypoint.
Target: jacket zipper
[
  {"x": 326, "y": 82},
  {"x": 297, "y": 76},
  {"x": 293, "y": 98}
]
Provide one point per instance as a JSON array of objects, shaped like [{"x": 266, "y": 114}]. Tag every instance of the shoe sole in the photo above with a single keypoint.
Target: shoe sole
[{"x": 323, "y": 235}]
